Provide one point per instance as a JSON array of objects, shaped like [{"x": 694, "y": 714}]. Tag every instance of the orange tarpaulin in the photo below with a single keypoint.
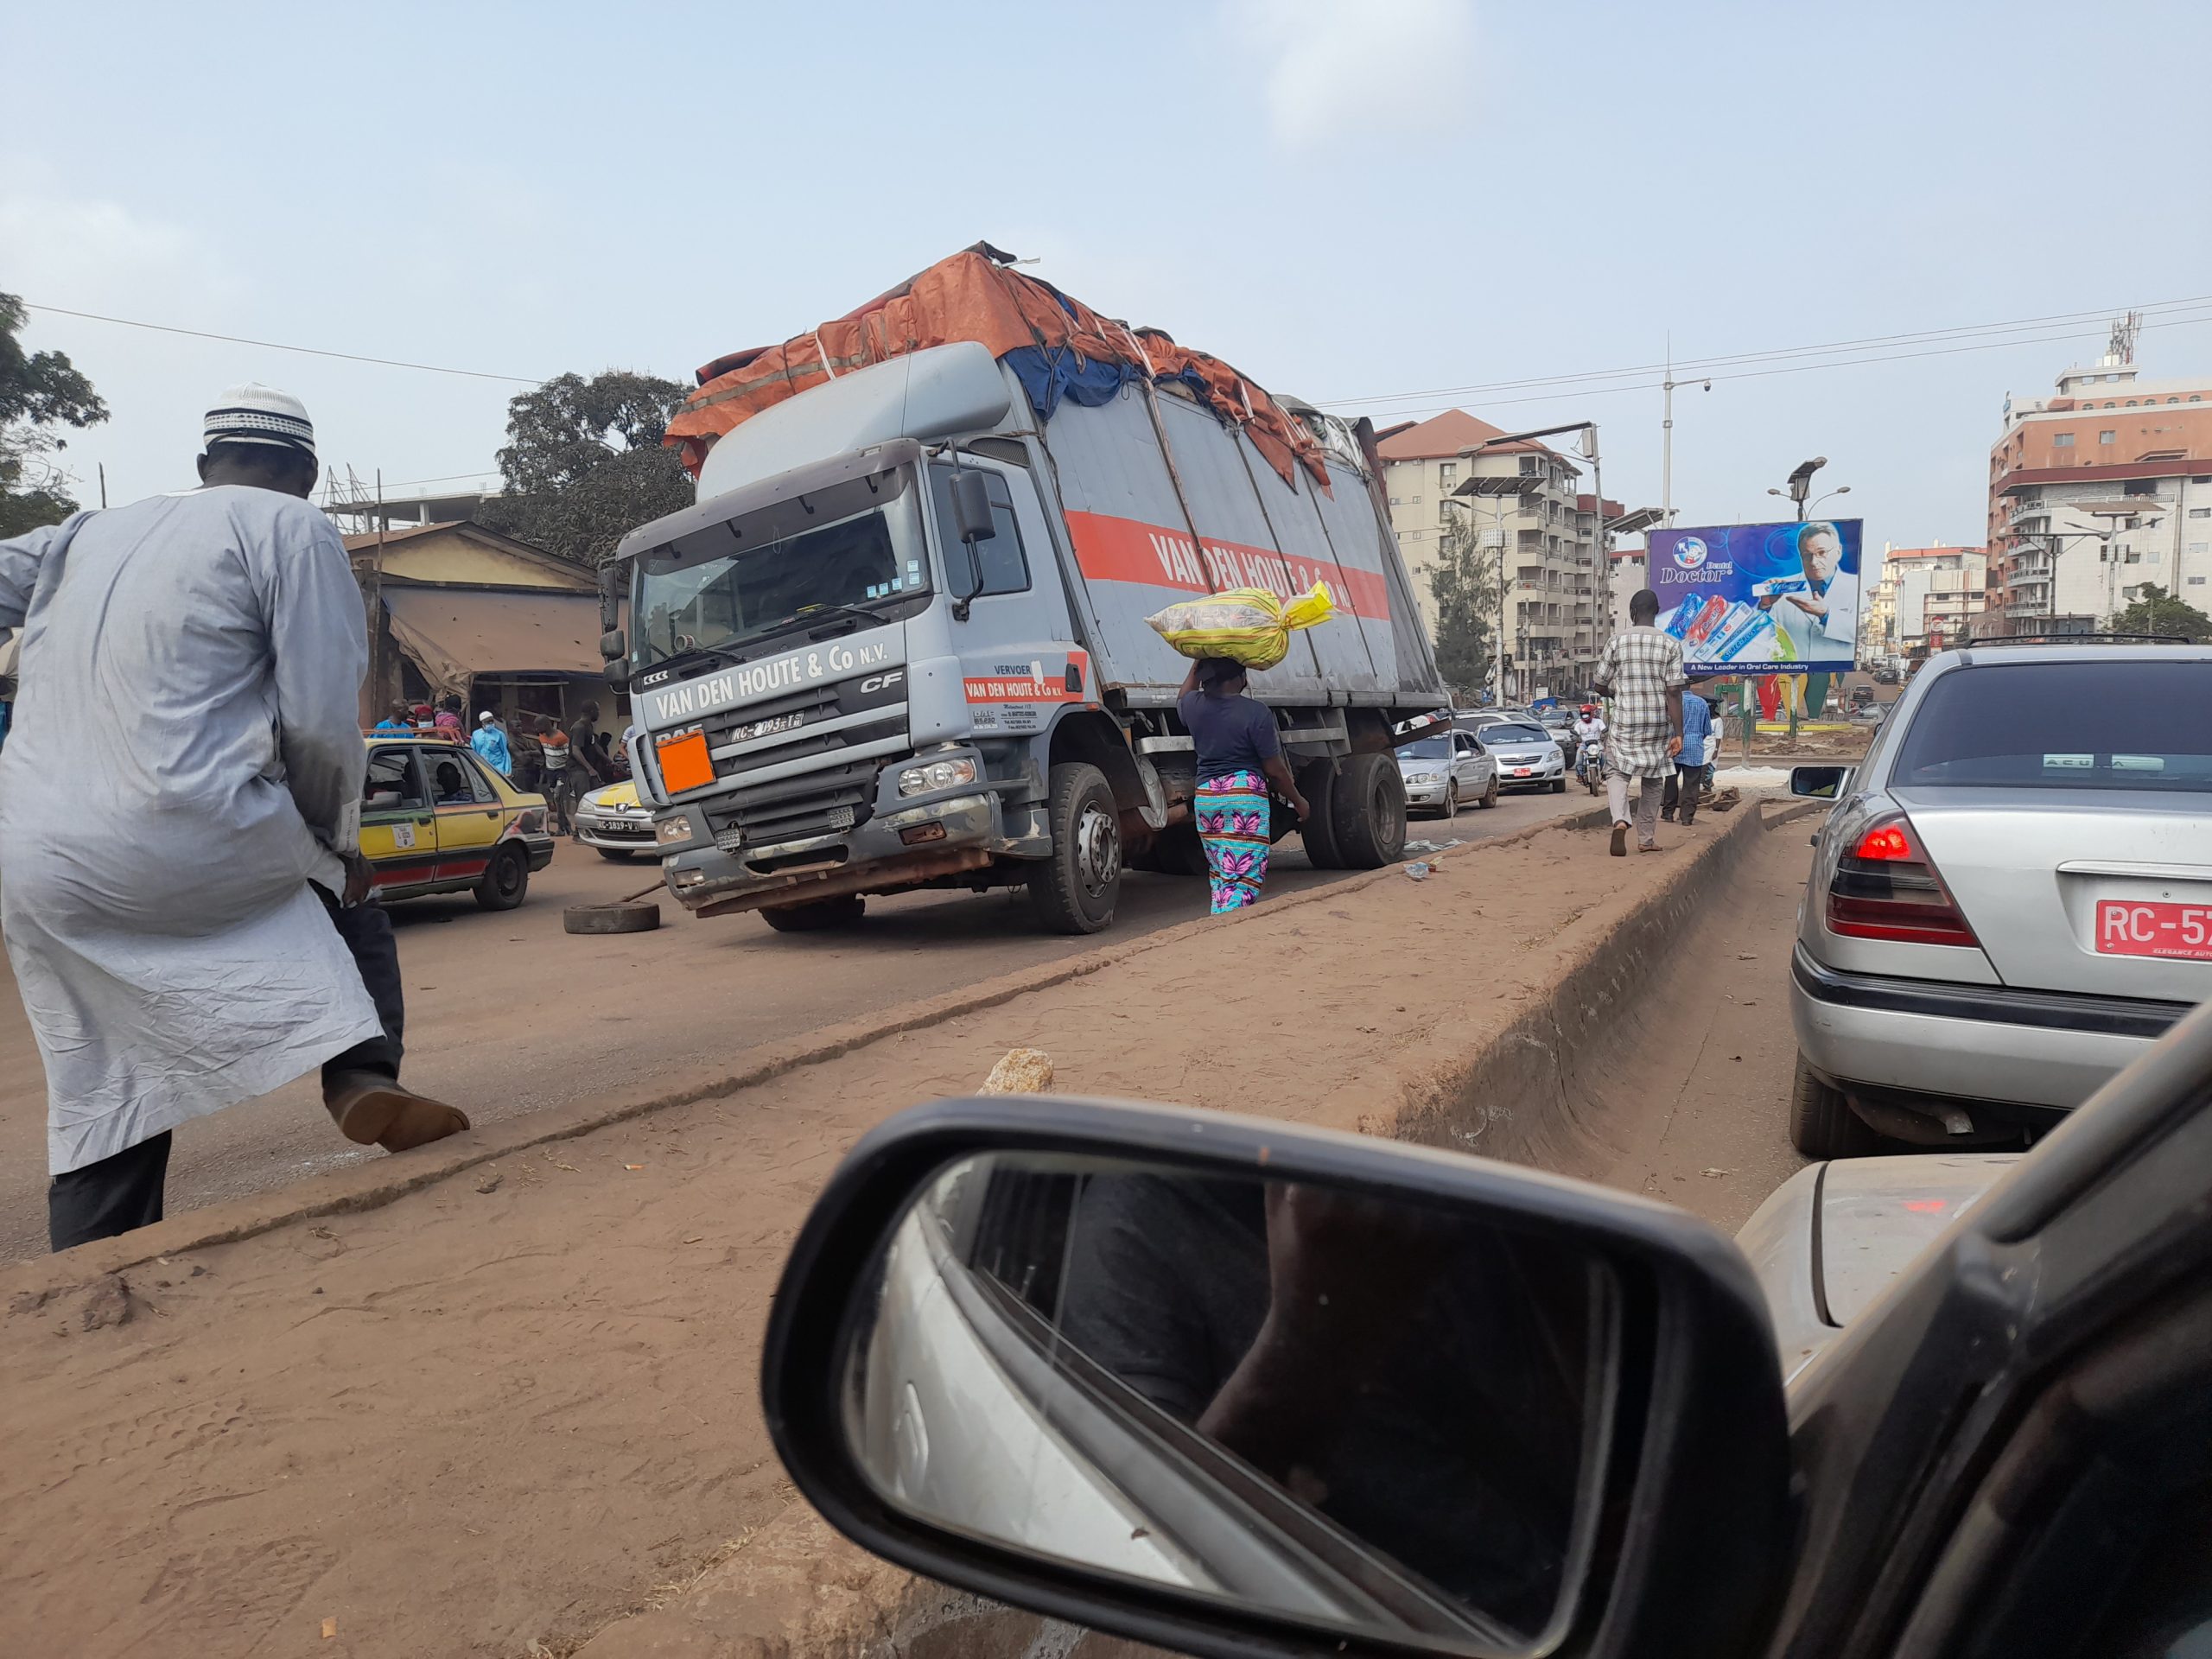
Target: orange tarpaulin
[{"x": 972, "y": 296}]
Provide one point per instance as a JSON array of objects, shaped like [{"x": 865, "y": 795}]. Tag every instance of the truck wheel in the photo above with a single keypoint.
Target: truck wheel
[
  {"x": 1368, "y": 812},
  {"x": 1074, "y": 891},
  {"x": 505, "y": 880},
  {"x": 1177, "y": 850},
  {"x": 1317, "y": 783},
  {"x": 1821, "y": 1122},
  {"x": 818, "y": 917}
]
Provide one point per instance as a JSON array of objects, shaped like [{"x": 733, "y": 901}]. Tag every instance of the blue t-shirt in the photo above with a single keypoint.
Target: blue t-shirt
[{"x": 1232, "y": 733}]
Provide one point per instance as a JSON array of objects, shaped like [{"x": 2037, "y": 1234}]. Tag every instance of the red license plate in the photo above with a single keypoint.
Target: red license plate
[
  {"x": 1521, "y": 772},
  {"x": 2129, "y": 928}
]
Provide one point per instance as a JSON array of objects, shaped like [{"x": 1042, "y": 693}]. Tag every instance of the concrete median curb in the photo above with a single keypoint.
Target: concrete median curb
[{"x": 367, "y": 1186}]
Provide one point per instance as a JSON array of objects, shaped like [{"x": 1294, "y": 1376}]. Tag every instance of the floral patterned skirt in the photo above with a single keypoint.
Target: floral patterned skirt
[{"x": 1232, "y": 814}]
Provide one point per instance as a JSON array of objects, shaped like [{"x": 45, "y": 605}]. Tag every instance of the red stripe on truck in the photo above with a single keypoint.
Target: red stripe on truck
[{"x": 1129, "y": 549}]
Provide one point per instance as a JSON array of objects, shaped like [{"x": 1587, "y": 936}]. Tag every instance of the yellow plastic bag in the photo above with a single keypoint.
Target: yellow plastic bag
[{"x": 1246, "y": 624}]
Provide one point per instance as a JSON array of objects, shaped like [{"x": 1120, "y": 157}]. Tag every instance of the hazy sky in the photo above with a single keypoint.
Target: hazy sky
[{"x": 1346, "y": 200}]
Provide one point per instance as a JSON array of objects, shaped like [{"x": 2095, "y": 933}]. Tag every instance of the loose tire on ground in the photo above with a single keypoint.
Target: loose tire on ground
[
  {"x": 611, "y": 919},
  {"x": 615, "y": 855},
  {"x": 505, "y": 880},
  {"x": 1821, "y": 1122},
  {"x": 1317, "y": 783},
  {"x": 1369, "y": 812},
  {"x": 819, "y": 917},
  {"x": 1075, "y": 890}
]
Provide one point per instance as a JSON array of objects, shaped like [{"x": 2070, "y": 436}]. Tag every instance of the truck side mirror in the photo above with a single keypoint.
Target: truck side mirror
[
  {"x": 971, "y": 508},
  {"x": 610, "y": 603}
]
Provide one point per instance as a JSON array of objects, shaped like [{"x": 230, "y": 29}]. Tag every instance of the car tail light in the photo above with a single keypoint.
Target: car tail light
[{"x": 1885, "y": 889}]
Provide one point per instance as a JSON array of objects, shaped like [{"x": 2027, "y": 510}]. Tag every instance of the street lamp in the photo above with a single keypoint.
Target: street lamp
[
  {"x": 1799, "y": 483},
  {"x": 2102, "y": 538}
]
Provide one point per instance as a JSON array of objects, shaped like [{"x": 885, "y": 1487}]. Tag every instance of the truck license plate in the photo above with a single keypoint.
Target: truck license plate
[
  {"x": 768, "y": 727},
  {"x": 841, "y": 818},
  {"x": 2126, "y": 929}
]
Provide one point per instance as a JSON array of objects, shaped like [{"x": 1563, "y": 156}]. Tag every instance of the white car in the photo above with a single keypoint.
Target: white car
[
  {"x": 1527, "y": 755},
  {"x": 1446, "y": 769},
  {"x": 613, "y": 820}
]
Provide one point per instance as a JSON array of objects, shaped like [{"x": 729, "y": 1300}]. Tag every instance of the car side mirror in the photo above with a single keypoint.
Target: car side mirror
[
  {"x": 1225, "y": 1385},
  {"x": 1819, "y": 783}
]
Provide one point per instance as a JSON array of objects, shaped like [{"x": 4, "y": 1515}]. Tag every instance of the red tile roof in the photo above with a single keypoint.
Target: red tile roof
[{"x": 1444, "y": 436}]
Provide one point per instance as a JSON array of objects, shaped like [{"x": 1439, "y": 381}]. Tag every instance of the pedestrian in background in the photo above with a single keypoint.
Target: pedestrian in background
[
  {"x": 1641, "y": 671},
  {"x": 447, "y": 719},
  {"x": 399, "y": 718},
  {"x": 553, "y": 745},
  {"x": 182, "y": 888},
  {"x": 489, "y": 739},
  {"x": 1688, "y": 784},
  {"x": 589, "y": 767},
  {"x": 1239, "y": 751}
]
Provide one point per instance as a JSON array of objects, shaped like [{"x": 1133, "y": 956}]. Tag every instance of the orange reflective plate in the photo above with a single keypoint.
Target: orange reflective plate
[{"x": 685, "y": 762}]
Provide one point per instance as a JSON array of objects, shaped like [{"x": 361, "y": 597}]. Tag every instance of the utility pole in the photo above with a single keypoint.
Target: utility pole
[
  {"x": 1666, "y": 436},
  {"x": 103, "y": 485},
  {"x": 377, "y": 696}
]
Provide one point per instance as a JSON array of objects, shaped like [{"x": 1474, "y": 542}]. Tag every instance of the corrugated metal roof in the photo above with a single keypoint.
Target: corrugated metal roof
[{"x": 455, "y": 635}]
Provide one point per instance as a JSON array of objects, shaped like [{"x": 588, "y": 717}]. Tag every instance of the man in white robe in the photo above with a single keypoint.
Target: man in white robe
[{"x": 181, "y": 884}]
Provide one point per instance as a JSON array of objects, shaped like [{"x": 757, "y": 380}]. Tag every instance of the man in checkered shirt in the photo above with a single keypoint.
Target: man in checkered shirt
[{"x": 1641, "y": 672}]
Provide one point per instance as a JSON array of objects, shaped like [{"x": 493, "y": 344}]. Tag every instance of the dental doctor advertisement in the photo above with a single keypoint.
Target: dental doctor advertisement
[{"x": 1761, "y": 599}]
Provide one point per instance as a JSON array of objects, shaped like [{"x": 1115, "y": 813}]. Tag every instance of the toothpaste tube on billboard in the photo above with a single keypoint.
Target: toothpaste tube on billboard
[
  {"x": 1778, "y": 585},
  {"x": 1700, "y": 629},
  {"x": 1737, "y": 646},
  {"x": 1687, "y": 611},
  {"x": 1743, "y": 625}
]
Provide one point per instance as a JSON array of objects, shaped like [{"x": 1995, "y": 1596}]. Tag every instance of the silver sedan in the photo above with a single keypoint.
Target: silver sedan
[
  {"x": 1445, "y": 770},
  {"x": 2012, "y": 898}
]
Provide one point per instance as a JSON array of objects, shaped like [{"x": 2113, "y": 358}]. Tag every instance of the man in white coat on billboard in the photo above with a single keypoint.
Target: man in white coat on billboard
[{"x": 1822, "y": 621}]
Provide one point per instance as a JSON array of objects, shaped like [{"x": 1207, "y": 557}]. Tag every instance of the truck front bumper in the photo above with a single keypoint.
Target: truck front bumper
[{"x": 947, "y": 836}]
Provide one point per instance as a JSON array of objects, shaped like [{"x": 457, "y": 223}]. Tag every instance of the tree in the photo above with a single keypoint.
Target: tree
[
  {"x": 1464, "y": 584},
  {"x": 584, "y": 465},
  {"x": 38, "y": 395},
  {"x": 2156, "y": 611}
]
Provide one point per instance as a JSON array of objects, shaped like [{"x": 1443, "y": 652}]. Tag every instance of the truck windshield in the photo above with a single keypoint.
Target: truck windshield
[{"x": 685, "y": 601}]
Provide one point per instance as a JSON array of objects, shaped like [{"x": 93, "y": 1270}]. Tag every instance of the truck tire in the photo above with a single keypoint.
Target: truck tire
[
  {"x": 1821, "y": 1122},
  {"x": 1175, "y": 850},
  {"x": 627, "y": 918},
  {"x": 818, "y": 917},
  {"x": 1368, "y": 812},
  {"x": 1318, "y": 784},
  {"x": 505, "y": 880},
  {"x": 1074, "y": 891}
]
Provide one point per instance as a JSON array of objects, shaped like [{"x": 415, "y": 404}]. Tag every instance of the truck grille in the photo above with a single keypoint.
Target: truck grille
[{"x": 824, "y": 798}]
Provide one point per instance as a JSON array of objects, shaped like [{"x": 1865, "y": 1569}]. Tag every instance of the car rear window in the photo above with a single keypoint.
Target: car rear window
[{"x": 2094, "y": 725}]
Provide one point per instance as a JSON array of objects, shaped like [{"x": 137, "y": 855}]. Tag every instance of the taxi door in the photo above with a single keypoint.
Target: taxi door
[
  {"x": 399, "y": 831},
  {"x": 471, "y": 816}
]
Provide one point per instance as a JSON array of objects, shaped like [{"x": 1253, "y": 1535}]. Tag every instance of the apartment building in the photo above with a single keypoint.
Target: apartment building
[
  {"x": 1926, "y": 598},
  {"x": 2095, "y": 492},
  {"x": 1544, "y": 531}
]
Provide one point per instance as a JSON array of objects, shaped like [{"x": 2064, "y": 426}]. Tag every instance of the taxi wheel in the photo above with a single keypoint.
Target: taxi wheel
[{"x": 505, "y": 882}]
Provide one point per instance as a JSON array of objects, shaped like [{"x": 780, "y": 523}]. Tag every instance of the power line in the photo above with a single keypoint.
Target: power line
[
  {"x": 275, "y": 345},
  {"x": 1691, "y": 368},
  {"x": 1800, "y": 368}
]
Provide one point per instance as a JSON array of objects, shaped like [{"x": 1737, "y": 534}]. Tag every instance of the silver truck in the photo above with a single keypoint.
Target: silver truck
[{"x": 900, "y": 642}]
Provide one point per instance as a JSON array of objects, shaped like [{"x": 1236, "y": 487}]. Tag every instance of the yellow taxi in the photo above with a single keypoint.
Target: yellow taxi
[{"x": 435, "y": 818}]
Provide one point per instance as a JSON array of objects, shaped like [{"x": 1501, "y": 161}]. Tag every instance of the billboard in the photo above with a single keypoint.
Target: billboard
[{"x": 1761, "y": 599}]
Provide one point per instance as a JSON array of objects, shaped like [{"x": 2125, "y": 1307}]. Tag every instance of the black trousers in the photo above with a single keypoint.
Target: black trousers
[
  {"x": 125, "y": 1191},
  {"x": 1682, "y": 791}
]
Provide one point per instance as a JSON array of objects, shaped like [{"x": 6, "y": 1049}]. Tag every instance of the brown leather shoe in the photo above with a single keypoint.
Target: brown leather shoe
[{"x": 375, "y": 1111}]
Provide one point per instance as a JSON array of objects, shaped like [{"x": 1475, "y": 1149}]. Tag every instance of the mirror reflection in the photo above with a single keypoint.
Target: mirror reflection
[{"x": 1350, "y": 1406}]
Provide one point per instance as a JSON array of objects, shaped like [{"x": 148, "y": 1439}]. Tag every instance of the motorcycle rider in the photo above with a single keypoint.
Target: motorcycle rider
[{"x": 1589, "y": 736}]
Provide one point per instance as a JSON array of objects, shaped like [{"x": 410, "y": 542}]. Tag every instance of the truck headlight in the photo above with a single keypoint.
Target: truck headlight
[
  {"x": 672, "y": 832},
  {"x": 937, "y": 774}
]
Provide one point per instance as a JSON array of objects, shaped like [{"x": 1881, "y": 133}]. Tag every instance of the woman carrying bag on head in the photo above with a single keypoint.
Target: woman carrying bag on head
[{"x": 1239, "y": 753}]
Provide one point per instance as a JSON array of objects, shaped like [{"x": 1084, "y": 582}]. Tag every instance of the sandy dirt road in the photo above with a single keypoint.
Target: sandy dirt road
[
  {"x": 509, "y": 1014},
  {"x": 498, "y": 1413}
]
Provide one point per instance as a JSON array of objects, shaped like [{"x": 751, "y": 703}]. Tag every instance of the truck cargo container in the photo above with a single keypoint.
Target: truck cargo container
[{"x": 901, "y": 640}]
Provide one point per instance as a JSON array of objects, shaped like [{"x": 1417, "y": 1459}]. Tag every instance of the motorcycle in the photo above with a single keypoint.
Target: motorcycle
[{"x": 1590, "y": 765}]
